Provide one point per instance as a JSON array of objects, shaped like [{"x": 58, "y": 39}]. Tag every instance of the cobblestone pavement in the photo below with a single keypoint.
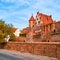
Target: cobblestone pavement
[{"x": 14, "y": 55}]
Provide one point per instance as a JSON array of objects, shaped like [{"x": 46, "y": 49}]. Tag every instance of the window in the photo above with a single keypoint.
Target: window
[
  {"x": 50, "y": 27},
  {"x": 37, "y": 18},
  {"x": 40, "y": 17},
  {"x": 33, "y": 26},
  {"x": 54, "y": 31},
  {"x": 47, "y": 28},
  {"x": 38, "y": 22}
]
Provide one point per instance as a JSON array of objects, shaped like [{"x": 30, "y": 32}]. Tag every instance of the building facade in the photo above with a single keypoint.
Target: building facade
[{"x": 40, "y": 27}]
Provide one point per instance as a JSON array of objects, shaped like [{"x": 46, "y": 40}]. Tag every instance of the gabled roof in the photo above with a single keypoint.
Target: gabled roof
[
  {"x": 25, "y": 30},
  {"x": 32, "y": 18},
  {"x": 46, "y": 19}
]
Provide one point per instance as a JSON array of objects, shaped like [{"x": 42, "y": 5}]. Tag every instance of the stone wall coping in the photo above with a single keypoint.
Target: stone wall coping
[{"x": 35, "y": 42}]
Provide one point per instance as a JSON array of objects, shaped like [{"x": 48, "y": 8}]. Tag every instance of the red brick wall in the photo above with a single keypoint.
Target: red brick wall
[{"x": 43, "y": 48}]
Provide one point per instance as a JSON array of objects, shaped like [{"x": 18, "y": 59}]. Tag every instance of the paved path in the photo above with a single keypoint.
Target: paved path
[{"x": 14, "y": 55}]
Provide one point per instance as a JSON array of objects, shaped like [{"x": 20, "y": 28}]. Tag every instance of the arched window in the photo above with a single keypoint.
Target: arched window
[{"x": 54, "y": 31}]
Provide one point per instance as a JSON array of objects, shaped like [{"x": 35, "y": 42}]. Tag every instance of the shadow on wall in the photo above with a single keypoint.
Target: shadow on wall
[{"x": 2, "y": 45}]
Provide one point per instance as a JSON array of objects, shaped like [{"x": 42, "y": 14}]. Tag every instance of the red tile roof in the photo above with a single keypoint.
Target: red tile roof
[
  {"x": 45, "y": 18},
  {"x": 25, "y": 30},
  {"x": 32, "y": 19}
]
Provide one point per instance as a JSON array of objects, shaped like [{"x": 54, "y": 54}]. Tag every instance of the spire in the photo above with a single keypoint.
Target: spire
[
  {"x": 38, "y": 12},
  {"x": 31, "y": 18}
]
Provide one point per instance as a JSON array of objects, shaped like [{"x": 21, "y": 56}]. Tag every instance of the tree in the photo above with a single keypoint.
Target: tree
[
  {"x": 6, "y": 29},
  {"x": 12, "y": 37}
]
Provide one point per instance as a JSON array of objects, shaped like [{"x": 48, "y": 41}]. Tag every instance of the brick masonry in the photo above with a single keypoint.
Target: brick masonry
[{"x": 51, "y": 49}]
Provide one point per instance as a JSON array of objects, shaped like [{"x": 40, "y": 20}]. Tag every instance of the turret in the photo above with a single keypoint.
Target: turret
[{"x": 31, "y": 22}]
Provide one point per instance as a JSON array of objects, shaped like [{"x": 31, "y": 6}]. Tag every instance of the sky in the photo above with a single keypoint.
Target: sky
[{"x": 18, "y": 12}]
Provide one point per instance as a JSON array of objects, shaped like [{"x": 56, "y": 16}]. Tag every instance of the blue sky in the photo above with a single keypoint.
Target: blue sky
[{"x": 18, "y": 12}]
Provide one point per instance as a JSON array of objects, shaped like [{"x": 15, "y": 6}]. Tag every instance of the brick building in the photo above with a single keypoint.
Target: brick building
[
  {"x": 40, "y": 28},
  {"x": 58, "y": 26}
]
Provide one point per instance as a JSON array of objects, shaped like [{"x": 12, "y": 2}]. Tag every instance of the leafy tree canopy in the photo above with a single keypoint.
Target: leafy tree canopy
[{"x": 6, "y": 29}]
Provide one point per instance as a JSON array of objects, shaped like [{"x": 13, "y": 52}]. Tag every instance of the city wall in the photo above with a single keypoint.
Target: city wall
[{"x": 51, "y": 49}]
